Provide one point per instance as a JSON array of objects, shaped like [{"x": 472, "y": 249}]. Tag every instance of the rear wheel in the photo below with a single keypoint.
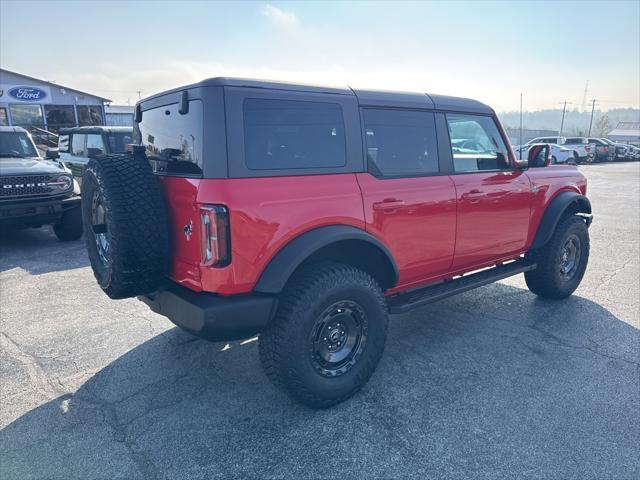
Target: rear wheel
[
  {"x": 328, "y": 334},
  {"x": 562, "y": 261},
  {"x": 70, "y": 228}
]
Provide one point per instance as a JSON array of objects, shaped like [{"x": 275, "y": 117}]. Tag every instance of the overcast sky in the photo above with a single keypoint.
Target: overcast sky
[{"x": 485, "y": 50}]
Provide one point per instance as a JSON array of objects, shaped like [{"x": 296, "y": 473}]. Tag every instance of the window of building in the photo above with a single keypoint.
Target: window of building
[
  {"x": 89, "y": 115},
  {"x": 78, "y": 145},
  {"x": 59, "y": 116},
  {"x": 476, "y": 144},
  {"x": 4, "y": 119},
  {"x": 289, "y": 134},
  {"x": 24, "y": 115},
  {"x": 400, "y": 142}
]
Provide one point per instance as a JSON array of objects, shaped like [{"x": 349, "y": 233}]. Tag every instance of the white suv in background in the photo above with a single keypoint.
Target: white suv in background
[{"x": 583, "y": 150}]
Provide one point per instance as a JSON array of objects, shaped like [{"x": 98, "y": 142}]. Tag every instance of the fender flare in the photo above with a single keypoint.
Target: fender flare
[
  {"x": 284, "y": 263},
  {"x": 553, "y": 213}
]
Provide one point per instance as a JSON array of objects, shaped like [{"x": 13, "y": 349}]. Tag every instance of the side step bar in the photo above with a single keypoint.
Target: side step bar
[{"x": 404, "y": 302}]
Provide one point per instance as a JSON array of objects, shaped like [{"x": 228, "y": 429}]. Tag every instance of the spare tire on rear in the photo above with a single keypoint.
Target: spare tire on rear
[{"x": 125, "y": 224}]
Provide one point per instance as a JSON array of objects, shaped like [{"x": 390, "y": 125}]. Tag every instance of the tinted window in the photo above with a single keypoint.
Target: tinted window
[
  {"x": 476, "y": 144},
  {"x": 77, "y": 145},
  {"x": 400, "y": 142},
  {"x": 89, "y": 115},
  {"x": 59, "y": 116},
  {"x": 173, "y": 141},
  {"x": 573, "y": 141},
  {"x": 118, "y": 141},
  {"x": 286, "y": 134}
]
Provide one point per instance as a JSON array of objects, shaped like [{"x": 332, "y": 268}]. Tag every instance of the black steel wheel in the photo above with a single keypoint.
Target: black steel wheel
[
  {"x": 328, "y": 334},
  {"x": 338, "y": 338},
  {"x": 562, "y": 261}
]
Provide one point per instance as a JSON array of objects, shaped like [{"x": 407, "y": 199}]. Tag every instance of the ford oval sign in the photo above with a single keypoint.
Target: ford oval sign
[{"x": 28, "y": 94}]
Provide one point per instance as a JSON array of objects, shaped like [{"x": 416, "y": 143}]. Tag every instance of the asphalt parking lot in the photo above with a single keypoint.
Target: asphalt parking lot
[{"x": 494, "y": 383}]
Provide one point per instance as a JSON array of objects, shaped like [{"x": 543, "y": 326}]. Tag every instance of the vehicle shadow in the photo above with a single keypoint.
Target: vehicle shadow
[
  {"x": 38, "y": 251},
  {"x": 494, "y": 383}
]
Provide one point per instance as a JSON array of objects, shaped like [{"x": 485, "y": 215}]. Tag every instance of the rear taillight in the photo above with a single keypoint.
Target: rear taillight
[
  {"x": 214, "y": 227},
  {"x": 587, "y": 148},
  {"x": 606, "y": 149}
]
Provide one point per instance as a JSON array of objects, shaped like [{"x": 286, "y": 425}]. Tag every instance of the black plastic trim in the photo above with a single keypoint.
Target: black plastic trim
[
  {"x": 283, "y": 264},
  {"x": 210, "y": 316},
  {"x": 554, "y": 212}
]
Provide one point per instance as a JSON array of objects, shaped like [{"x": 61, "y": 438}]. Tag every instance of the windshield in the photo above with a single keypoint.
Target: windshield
[
  {"x": 118, "y": 141},
  {"x": 16, "y": 144}
]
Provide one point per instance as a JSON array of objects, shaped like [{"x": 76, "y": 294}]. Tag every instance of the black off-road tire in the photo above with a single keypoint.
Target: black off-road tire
[
  {"x": 547, "y": 280},
  {"x": 135, "y": 225},
  {"x": 287, "y": 345},
  {"x": 70, "y": 228}
]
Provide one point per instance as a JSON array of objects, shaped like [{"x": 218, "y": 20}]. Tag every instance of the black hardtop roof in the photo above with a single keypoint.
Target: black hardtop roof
[{"x": 365, "y": 97}]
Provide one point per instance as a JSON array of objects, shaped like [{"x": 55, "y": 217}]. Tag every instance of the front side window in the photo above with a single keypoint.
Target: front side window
[
  {"x": 78, "y": 145},
  {"x": 16, "y": 144},
  {"x": 173, "y": 141},
  {"x": 288, "y": 134},
  {"x": 89, "y": 115},
  {"x": 26, "y": 115},
  {"x": 400, "y": 142},
  {"x": 476, "y": 144}
]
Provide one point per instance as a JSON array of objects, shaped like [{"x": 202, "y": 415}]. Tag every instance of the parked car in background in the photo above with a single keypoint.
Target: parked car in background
[
  {"x": 622, "y": 151},
  {"x": 559, "y": 155},
  {"x": 35, "y": 191},
  {"x": 76, "y": 145},
  {"x": 584, "y": 151},
  {"x": 604, "y": 152}
]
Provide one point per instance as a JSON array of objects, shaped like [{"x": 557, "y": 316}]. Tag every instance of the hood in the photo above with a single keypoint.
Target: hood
[{"x": 28, "y": 166}]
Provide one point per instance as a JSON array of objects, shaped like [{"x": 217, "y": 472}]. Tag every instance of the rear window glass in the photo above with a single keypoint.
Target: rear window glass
[
  {"x": 400, "y": 143},
  {"x": 288, "y": 134},
  {"x": 173, "y": 142}
]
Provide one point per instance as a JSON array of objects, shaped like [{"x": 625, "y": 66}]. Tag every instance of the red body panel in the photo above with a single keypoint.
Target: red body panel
[
  {"x": 435, "y": 227},
  {"x": 493, "y": 216},
  {"x": 416, "y": 219},
  {"x": 266, "y": 213}
]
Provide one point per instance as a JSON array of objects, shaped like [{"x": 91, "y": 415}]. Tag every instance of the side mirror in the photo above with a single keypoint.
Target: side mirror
[
  {"x": 94, "y": 152},
  {"x": 539, "y": 155},
  {"x": 52, "y": 153}
]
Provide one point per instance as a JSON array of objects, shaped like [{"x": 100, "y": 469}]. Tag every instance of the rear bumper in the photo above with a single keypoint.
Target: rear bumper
[
  {"x": 36, "y": 212},
  {"x": 213, "y": 317}
]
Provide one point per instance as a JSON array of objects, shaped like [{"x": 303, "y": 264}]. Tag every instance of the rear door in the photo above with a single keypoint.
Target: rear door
[
  {"x": 493, "y": 197},
  {"x": 408, "y": 204}
]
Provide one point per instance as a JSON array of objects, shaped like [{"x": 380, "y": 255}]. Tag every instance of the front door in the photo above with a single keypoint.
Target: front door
[
  {"x": 408, "y": 205},
  {"x": 494, "y": 198}
]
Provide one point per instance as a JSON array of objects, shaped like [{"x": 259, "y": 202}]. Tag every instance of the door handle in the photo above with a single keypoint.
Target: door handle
[
  {"x": 388, "y": 204},
  {"x": 472, "y": 196}
]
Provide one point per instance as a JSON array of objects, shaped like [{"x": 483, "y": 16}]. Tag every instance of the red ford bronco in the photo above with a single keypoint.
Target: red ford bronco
[{"x": 306, "y": 215}]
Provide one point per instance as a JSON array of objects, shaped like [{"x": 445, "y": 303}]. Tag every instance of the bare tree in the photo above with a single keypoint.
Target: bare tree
[{"x": 602, "y": 127}]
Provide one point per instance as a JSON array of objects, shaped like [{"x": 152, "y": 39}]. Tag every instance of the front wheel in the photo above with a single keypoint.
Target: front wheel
[
  {"x": 562, "y": 261},
  {"x": 328, "y": 334}
]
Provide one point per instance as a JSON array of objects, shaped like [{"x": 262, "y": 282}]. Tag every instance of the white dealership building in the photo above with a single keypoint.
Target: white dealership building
[{"x": 30, "y": 102}]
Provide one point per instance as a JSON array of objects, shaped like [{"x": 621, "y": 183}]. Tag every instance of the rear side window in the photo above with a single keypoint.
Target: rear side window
[
  {"x": 574, "y": 141},
  {"x": 172, "y": 141},
  {"x": 289, "y": 134},
  {"x": 400, "y": 142},
  {"x": 476, "y": 144}
]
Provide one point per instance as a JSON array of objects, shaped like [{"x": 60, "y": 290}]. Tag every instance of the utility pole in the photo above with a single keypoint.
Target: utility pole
[
  {"x": 139, "y": 92},
  {"x": 584, "y": 97},
  {"x": 593, "y": 107},
  {"x": 564, "y": 110},
  {"x": 520, "y": 143}
]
